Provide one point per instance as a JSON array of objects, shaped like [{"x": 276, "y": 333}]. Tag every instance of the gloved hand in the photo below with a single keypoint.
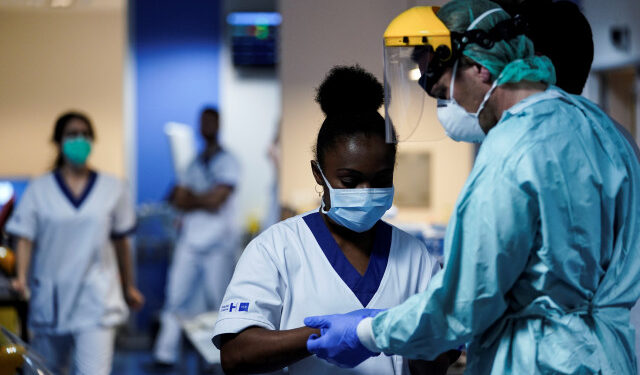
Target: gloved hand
[{"x": 339, "y": 343}]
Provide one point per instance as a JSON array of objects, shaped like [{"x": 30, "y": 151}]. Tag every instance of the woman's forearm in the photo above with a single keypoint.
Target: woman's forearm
[
  {"x": 258, "y": 350},
  {"x": 23, "y": 258},
  {"x": 132, "y": 295},
  {"x": 125, "y": 265}
]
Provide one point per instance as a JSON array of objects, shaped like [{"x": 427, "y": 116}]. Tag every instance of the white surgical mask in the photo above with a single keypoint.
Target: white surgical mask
[
  {"x": 357, "y": 209},
  {"x": 459, "y": 124}
]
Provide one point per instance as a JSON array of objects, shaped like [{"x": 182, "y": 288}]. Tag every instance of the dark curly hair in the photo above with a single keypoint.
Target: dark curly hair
[{"x": 350, "y": 98}]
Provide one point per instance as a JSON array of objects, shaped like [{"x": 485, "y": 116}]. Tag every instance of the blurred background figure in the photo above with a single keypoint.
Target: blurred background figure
[
  {"x": 206, "y": 249},
  {"x": 73, "y": 255}
]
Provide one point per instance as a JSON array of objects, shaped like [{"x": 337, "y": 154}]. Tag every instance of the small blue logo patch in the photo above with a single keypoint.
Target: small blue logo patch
[{"x": 231, "y": 307}]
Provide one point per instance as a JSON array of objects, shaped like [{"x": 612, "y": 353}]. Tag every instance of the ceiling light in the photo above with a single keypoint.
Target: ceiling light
[
  {"x": 414, "y": 74},
  {"x": 61, "y": 3}
]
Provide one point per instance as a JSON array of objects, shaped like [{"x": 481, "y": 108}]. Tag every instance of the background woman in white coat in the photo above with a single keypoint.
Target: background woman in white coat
[{"x": 73, "y": 255}]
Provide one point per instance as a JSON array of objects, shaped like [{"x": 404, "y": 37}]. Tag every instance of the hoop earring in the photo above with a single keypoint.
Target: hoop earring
[{"x": 319, "y": 192}]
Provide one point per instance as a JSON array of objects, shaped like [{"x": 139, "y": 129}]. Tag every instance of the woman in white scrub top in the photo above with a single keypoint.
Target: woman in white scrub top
[
  {"x": 73, "y": 258},
  {"x": 338, "y": 258}
]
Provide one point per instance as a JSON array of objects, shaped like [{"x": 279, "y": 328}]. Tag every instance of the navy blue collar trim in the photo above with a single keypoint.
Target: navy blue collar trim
[
  {"x": 364, "y": 287},
  {"x": 204, "y": 161},
  {"x": 76, "y": 202}
]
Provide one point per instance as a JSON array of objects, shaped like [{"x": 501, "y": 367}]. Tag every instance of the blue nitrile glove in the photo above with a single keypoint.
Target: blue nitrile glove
[{"x": 339, "y": 343}]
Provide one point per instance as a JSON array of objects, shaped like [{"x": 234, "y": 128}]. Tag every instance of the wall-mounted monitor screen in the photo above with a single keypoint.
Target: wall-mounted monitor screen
[{"x": 254, "y": 38}]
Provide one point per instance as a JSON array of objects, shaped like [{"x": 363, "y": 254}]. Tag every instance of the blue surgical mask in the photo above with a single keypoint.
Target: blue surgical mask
[{"x": 357, "y": 209}]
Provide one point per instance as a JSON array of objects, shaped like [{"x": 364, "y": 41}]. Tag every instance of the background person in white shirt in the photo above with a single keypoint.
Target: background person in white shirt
[
  {"x": 73, "y": 255},
  {"x": 204, "y": 256}
]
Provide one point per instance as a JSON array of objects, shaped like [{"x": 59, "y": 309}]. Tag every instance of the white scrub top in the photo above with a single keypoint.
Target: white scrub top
[
  {"x": 204, "y": 230},
  {"x": 295, "y": 269},
  {"x": 73, "y": 276}
]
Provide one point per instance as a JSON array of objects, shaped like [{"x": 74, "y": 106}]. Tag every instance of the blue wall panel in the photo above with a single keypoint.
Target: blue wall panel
[{"x": 176, "y": 47}]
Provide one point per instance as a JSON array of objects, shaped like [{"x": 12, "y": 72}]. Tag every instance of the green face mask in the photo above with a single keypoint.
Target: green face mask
[{"x": 76, "y": 149}]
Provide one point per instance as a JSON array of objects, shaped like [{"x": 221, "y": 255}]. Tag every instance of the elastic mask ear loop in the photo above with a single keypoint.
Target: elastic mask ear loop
[
  {"x": 323, "y": 177},
  {"x": 486, "y": 97},
  {"x": 328, "y": 187},
  {"x": 495, "y": 83}
]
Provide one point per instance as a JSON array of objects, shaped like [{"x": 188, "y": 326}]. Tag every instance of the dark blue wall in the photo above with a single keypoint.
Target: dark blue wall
[{"x": 176, "y": 45}]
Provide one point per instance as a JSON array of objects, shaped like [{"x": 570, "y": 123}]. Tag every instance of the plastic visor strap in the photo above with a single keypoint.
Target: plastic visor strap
[
  {"x": 483, "y": 16},
  {"x": 455, "y": 68}
]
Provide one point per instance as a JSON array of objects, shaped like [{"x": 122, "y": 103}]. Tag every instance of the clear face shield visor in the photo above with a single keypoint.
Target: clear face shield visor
[
  {"x": 409, "y": 75},
  {"x": 412, "y": 66}
]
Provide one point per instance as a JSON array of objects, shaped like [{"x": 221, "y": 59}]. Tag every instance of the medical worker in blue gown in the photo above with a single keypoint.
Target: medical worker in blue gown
[
  {"x": 73, "y": 255},
  {"x": 339, "y": 257},
  {"x": 542, "y": 253}
]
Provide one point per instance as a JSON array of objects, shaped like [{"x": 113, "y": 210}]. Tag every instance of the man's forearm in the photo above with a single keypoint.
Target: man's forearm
[{"x": 211, "y": 200}]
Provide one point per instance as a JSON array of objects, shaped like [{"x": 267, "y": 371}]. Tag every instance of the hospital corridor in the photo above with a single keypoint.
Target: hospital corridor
[{"x": 360, "y": 187}]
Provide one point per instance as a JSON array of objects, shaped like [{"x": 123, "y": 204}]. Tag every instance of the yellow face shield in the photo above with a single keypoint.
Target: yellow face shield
[{"x": 417, "y": 50}]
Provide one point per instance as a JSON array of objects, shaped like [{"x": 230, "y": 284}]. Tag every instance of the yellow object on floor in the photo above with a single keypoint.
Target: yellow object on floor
[
  {"x": 7, "y": 260},
  {"x": 9, "y": 320},
  {"x": 11, "y": 358}
]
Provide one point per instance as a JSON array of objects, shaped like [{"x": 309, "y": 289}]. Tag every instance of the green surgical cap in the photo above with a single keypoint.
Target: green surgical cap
[{"x": 508, "y": 61}]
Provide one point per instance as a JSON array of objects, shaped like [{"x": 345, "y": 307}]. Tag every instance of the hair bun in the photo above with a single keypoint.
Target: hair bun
[{"x": 349, "y": 89}]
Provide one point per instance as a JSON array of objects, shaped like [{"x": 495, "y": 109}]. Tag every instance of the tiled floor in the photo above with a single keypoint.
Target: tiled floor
[
  {"x": 135, "y": 362},
  {"x": 130, "y": 362}
]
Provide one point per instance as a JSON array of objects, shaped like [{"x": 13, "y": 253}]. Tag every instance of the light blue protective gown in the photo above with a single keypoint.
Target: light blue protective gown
[{"x": 542, "y": 253}]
